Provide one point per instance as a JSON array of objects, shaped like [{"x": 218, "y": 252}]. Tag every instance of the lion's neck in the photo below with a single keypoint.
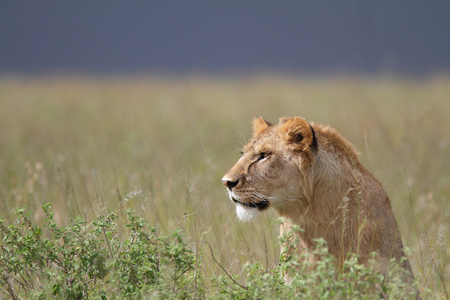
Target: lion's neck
[{"x": 326, "y": 190}]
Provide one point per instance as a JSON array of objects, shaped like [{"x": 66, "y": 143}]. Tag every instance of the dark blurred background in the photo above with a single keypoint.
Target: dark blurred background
[{"x": 321, "y": 37}]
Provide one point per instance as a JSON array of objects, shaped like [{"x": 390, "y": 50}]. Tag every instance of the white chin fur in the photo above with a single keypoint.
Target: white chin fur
[{"x": 245, "y": 213}]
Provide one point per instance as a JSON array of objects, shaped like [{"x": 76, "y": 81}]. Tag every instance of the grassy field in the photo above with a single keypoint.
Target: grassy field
[{"x": 160, "y": 146}]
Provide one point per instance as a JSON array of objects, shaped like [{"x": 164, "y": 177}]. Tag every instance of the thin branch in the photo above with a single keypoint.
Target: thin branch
[
  {"x": 10, "y": 286},
  {"x": 225, "y": 270},
  {"x": 107, "y": 242}
]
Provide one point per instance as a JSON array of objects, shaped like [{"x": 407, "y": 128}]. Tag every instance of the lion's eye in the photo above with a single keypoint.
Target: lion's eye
[{"x": 263, "y": 155}]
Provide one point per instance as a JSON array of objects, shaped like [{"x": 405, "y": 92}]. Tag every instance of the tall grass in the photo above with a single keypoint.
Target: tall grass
[{"x": 161, "y": 146}]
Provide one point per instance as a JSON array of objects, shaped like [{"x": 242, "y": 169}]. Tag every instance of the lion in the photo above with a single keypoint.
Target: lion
[{"x": 312, "y": 177}]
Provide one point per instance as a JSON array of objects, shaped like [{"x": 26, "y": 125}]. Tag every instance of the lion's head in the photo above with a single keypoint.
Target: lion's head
[{"x": 272, "y": 162}]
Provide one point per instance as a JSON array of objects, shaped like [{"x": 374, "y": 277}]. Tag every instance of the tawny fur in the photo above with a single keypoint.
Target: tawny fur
[{"x": 312, "y": 176}]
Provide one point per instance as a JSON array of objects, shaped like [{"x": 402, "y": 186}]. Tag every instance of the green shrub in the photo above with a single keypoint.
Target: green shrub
[
  {"x": 100, "y": 261},
  {"x": 90, "y": 260}
]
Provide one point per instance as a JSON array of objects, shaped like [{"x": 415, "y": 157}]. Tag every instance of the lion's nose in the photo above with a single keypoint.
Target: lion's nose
[{"x": 230, "y": 184}]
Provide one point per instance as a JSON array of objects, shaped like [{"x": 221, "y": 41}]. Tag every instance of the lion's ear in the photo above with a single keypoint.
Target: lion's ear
[
  {"x": 260, "y": 125},
  {"x": 298, "y": 131}
]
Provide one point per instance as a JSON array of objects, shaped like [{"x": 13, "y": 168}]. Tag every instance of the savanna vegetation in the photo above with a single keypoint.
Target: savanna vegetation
[{"x": 111, "y": 188}]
